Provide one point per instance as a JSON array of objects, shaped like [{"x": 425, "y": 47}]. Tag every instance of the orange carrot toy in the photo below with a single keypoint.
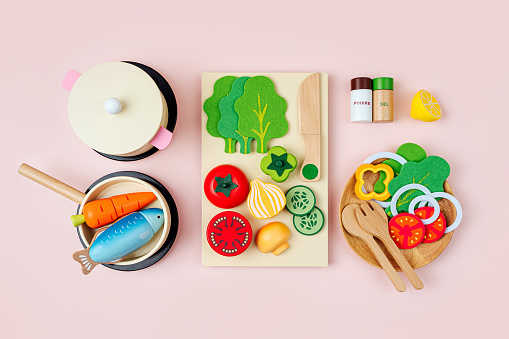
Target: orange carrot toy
[{"x": 101, "y": 212}]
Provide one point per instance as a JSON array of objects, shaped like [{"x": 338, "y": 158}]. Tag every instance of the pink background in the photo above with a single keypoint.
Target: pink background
[{"x": 457, "y": 52}]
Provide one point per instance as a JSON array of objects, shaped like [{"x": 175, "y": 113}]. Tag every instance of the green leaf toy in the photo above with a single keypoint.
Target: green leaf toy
[
  {"x": 278, "y": 164},
  {"x": 430, "y": 172},
  {"x": 410, "y": 152},
  {"x": 229, "y": 122},
  {"x": 222, "y": 88},
  {"x": 261, "y": 112}
]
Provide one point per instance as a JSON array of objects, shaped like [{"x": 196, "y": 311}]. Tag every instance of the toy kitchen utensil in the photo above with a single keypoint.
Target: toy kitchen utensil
[
  {"x": 352, "y": 226},
  {"x": 373, "y": 220},
  {"x": 115, "y": 184},
  {"x": 123, "y": 110},
  {"x": 309, "y": 126}
]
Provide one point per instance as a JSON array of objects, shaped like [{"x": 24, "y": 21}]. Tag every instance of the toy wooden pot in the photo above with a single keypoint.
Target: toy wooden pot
[
  {"x": 115, "y": 184},
  {"x": 123, "y": 110}
]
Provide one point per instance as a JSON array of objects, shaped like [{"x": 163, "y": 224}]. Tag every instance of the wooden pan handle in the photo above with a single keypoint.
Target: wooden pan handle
[{"x": 51, "y": 183}]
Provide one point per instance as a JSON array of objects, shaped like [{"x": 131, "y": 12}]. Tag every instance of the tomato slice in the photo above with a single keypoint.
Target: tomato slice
[
  {"x": 407, "y": 230},
  {"x": 436, "y": 229},
  {"x": 226, "y": 186},
  {"x": 229, "y": 233}
]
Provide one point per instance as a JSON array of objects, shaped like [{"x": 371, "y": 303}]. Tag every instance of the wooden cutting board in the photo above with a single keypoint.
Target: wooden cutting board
[{"x": 304, "y": 250}]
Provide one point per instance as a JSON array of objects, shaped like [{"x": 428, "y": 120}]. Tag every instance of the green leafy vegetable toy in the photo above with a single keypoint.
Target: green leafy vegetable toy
[
  {"x": 410, "y": 152},
  {"x": 222, "y": 88},
  {"x": 228, "y": 124},
  {"x": 261, "y": 112},
  {"x": 430, "y": 172},
  {"x": 278, "y": 164}
]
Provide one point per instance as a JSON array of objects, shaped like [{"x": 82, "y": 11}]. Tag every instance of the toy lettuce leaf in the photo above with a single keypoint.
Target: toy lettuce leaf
[
  {"x": 261, "y": 112},
  {"x": 228, "y": 124},
  {"x": 222, "y": 88},
  {"x": 431, "y": 172},
  {"x": 410, "y": 152}
]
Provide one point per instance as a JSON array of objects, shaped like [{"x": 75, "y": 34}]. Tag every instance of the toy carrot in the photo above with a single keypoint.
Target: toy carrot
[{"x": 101, "y": 212}]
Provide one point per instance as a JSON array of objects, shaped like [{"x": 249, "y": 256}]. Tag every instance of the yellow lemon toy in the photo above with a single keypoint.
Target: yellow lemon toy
[{"x": 425, "y": 107}]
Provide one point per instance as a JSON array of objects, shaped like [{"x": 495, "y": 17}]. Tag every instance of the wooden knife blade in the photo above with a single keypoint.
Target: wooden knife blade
[{"x": 309, "y": 126}]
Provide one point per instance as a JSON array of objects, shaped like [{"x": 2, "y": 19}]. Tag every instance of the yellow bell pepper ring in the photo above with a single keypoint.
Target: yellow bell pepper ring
[{"x": 359, "y": 176}]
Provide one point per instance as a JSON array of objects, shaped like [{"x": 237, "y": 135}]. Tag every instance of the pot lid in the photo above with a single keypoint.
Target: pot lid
[{"x": 115, "y": 108}]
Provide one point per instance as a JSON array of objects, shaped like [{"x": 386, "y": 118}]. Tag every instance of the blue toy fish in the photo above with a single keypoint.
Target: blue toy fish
[{"x": 123, "y": 237}]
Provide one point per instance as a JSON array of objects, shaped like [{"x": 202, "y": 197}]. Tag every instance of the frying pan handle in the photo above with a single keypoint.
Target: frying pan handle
[{"x": 51, "y": 183}]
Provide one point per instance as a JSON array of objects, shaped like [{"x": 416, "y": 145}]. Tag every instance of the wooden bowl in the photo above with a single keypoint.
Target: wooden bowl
[
  {"x": 115, "y": 185},
  {"x": 418, "y": 256}
]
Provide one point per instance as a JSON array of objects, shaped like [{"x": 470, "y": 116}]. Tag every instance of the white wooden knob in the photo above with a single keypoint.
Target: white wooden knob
[{"x": 113, "y": 105}]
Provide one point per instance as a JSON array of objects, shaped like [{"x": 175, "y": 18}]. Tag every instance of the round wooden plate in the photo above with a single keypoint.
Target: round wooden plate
[
  {"x": 418, "y": 256},
  {"x": 126, "y": 182}
]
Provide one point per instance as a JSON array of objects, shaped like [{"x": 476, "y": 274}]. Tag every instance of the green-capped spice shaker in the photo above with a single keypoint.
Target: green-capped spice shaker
[{"x": 383, "y": 99}]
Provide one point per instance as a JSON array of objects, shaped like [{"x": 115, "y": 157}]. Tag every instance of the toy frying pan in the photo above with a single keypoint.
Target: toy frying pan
[
  {"x": 115, "y": 184},
  {"x": 123, "y": 110}
]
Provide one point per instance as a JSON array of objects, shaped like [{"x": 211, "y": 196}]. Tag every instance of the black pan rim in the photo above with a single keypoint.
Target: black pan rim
[
  {"x": 171, "y": 102},
  {"x": 174, "y": 220}
]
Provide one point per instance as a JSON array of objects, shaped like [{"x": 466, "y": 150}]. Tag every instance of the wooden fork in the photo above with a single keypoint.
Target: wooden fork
[
  {"x": 372, "y": 219},
  {"x": 352, "y": 226}
]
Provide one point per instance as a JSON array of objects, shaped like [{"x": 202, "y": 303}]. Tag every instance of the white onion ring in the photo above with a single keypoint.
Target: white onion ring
[
  {"x": 422, "y": 199},
  {"x": 457, "y": 205},
  {"x": 381, "y": 155},
  {"x": 402, "y": 190}
]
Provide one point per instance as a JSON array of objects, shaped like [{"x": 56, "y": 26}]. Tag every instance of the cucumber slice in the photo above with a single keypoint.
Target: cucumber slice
[
  {"x": 311, "y": 223},
  {"x": 300, "y": 200}
]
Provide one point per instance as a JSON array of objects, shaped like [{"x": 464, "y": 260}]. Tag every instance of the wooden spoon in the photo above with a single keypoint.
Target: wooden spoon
[
  {"x": 373, "y": 222},
  {"x": 351, "y": 224}
]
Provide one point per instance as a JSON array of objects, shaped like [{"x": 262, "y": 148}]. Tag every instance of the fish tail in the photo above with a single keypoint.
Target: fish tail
[{"x": 87, "y": 264}]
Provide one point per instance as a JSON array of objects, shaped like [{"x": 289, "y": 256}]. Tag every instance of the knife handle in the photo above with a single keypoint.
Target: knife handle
[{"x": 310, "y": 170}]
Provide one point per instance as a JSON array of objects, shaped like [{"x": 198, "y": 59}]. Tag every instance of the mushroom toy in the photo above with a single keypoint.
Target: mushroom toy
[{"x": 273, "y": 238}]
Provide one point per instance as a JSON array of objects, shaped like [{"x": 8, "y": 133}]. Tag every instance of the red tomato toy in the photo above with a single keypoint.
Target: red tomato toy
[
  {"x": 226, "y": 186},
  {"x": 436, "y": 229},
  {"x": 407, "y": 230},
  {"x": 229, "y": 233}
]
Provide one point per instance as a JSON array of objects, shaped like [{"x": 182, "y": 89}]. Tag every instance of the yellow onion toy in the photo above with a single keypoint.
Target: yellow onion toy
[{"x": 265, "y": 200}]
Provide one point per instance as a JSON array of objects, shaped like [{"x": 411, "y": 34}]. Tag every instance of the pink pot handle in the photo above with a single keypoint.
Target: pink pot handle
[
  {"x": 69, "y": 79},
  {"x": 162, "y": 138}
]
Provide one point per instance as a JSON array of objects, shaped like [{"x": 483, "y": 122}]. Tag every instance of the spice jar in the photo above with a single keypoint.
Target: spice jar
[
  {"x": 383, "y": 99},
  {"x": 361, "y": 100}
]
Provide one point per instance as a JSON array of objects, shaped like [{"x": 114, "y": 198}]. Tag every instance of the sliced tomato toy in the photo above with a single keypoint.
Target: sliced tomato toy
[
  {"x": 436, "y": 229},
  {"x": 226, "y": 186},
  {"x": 229, "y": 233},
  {"x": 407, "y": 230}
]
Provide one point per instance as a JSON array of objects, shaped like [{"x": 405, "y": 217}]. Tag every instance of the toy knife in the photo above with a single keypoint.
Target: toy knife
[{"x": 309, "y": 126}]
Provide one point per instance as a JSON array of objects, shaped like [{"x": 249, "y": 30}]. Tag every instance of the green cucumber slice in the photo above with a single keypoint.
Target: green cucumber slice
[
  {"x": 311, "y": 223},
  {"x": 300, "y": 200}
]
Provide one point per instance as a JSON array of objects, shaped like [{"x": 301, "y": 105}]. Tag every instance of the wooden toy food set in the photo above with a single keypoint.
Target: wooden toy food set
[
  {"x": 126, "y": 221},
  {"x": 123, "y": 110},
  {"x": 264, "y": 169},
  {"x": 398, "y": 212}
]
